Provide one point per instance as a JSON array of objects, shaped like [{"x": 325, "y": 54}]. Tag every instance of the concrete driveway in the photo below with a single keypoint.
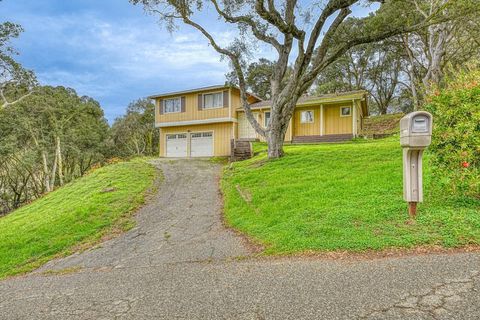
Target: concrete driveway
[{"x": 181, "y": 263}]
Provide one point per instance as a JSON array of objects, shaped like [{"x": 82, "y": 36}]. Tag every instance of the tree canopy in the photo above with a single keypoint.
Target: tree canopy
[
  {"x": 47, "y": 139},
  {"x": 16, "y": 82}
]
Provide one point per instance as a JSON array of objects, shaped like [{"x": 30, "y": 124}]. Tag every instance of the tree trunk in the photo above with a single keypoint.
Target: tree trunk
[
  {"x": 53, "y": 174},
  {"x": 46, "y": 172},
  {"x": 275, "y": 146},
  {"x": 438, "y": 35},
  {"x": 411, "y": 74},
  {"x": 413, "y": 89},
  {"x": 59, "y": 161},
  {"x": 275, "y": 138}
]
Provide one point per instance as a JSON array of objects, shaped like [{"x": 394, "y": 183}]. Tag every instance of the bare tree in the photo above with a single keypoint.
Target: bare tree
[
  {"x": 309, "y": 46},
  {"x": 431, "y": 49},
  {"x": 384, "y": 75}
]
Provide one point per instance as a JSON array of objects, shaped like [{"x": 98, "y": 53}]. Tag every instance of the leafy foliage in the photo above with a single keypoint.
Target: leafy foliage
[
  {"x": 134, "y": 134},
  {"x": 456, "y": 134},
  {"x": 15, "y": 82},
  {"x": 51, "y": 137}
]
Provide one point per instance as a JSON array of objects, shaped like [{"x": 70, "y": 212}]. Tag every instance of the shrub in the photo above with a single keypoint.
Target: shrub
[{"x": 456, "y": 134}]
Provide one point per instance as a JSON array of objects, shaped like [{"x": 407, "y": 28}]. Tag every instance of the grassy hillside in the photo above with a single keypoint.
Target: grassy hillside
[
  {"x": 386, "y": 124},
  {"x": 76, "y": 214},
  {"x": 340, "y": 196}
]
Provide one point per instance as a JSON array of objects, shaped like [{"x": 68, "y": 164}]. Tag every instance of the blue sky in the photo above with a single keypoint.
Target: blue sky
[{"x": 110, "y": 50}]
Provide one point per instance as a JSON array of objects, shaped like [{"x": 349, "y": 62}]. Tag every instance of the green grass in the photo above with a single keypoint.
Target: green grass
[
  {"x": 74, "y": 216},
  {"x": 340, "y": 197}
]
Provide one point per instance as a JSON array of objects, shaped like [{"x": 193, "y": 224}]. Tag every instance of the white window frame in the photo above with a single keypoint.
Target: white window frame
[
  {"x": 213, "y": 107},
  {"x": 349, "y": 114},
  {"x": 265, "y": 118},
  {"x": 179, "y": 99},
  {"x": 301, "y": 116}
]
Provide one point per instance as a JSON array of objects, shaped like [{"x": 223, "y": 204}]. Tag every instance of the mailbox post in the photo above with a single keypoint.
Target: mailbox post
[{"x": 415, "y": 136}]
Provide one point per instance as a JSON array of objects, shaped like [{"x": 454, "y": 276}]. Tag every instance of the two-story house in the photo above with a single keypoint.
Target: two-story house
[{"x": 202, "y": 122}]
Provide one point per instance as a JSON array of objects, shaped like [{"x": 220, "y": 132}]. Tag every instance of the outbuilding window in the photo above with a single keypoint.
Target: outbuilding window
[
  {"x": 307, "y": 116},
  {"x": 345, "y": 111},
  {"x": 172, "y": 105},
  {"x": 213, "y": 100},
  {"x": 267, "y": 118}
]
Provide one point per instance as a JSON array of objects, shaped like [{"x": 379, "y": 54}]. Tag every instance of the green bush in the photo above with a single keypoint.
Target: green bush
[{"x": 456, "y": 134}]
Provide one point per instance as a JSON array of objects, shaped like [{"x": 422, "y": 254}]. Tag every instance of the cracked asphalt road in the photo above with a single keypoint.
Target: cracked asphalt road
[{"x": 181, "y": 263}]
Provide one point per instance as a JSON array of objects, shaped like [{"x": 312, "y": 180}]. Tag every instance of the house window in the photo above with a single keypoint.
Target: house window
[
  {"x": 172, "y": 105},
  {"x": 267, "y": 118},
  {"x": 213, "y": 100},
  {"x": 307, "y": 116},
  {"x": 345, "y": 111}
]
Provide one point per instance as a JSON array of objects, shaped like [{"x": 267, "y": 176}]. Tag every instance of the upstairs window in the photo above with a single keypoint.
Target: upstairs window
[
  {"x": 213, "y": 100},
  {"x": 172, "y": 105},
  {"x": 267, "y": 118},
  {"x": 307, "y": 116}
]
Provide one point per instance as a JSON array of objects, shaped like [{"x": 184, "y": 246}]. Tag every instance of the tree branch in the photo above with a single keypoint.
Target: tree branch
[
  {"x": 259, "y": 34},
  {"x": 321, "y": 64},
  {"x": 7, "y": 103},
  {"x": 330, "y": 9},
  {"x": 273, "y": 17},
  {"x": 238, "y": 69}
]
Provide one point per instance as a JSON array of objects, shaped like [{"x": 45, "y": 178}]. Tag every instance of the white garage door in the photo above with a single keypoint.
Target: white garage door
[
  {"x": 177, "y": 145},
  {"x": 202, "y": 144}
]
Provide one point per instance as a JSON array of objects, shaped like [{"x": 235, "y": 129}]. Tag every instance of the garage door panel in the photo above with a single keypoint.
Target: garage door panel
[
  {"x": 201, "y": 144},
  {"x": 177, "y": 145}
]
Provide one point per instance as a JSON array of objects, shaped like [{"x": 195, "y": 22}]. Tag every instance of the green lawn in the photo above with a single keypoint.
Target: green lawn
[
  {"x": 75, "y": 215},
  {"x": 340, "y": 197}
]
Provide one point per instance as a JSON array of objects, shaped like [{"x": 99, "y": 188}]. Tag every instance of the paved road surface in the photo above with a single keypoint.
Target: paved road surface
[{"x": 181, "y": 263}]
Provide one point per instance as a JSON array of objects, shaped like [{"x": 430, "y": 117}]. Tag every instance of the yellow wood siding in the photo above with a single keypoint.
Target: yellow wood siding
[
  {"x": 222, "y": 133},
  {"x": 306, "y": 129},
  {"x": 288, "y": 134},
  {"x": 334, "y": 123},
  {"x": 235, "y": 101},
  {"x": 191, "y": 110}
]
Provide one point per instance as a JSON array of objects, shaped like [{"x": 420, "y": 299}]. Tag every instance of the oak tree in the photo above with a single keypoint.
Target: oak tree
[{"x": 300, "y": 35}]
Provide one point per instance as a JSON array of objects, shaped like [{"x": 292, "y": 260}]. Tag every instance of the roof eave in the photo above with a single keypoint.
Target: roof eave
[
  {"x": 361, "y": 95},
  {"x": 169, "y": 94}
]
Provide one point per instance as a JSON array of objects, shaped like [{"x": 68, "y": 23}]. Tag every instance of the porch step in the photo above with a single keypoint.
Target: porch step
[
  {"x": 321, "y": 139},
  {"x": 241, "y": 150}
]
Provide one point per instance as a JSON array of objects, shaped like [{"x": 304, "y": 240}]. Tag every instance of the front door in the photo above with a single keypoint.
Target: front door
[{"x": 245, "y": 129}]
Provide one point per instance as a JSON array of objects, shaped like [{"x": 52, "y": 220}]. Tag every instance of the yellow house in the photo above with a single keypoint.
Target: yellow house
[{"x": 202, "y": 122}]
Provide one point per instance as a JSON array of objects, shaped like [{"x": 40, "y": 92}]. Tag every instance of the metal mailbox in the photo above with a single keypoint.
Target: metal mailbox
[
  {"x": 416, "y": 130},
  {"x": 415, "y": 136}
]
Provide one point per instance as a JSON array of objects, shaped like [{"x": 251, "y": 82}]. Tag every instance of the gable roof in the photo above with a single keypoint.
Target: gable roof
[
  {"x": 207, "y": 88},
  {"x": 324, "y": 98}
]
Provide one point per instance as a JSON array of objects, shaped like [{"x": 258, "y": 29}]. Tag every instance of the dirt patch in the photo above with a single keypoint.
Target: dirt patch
[{"x": 376, "y": 254}]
